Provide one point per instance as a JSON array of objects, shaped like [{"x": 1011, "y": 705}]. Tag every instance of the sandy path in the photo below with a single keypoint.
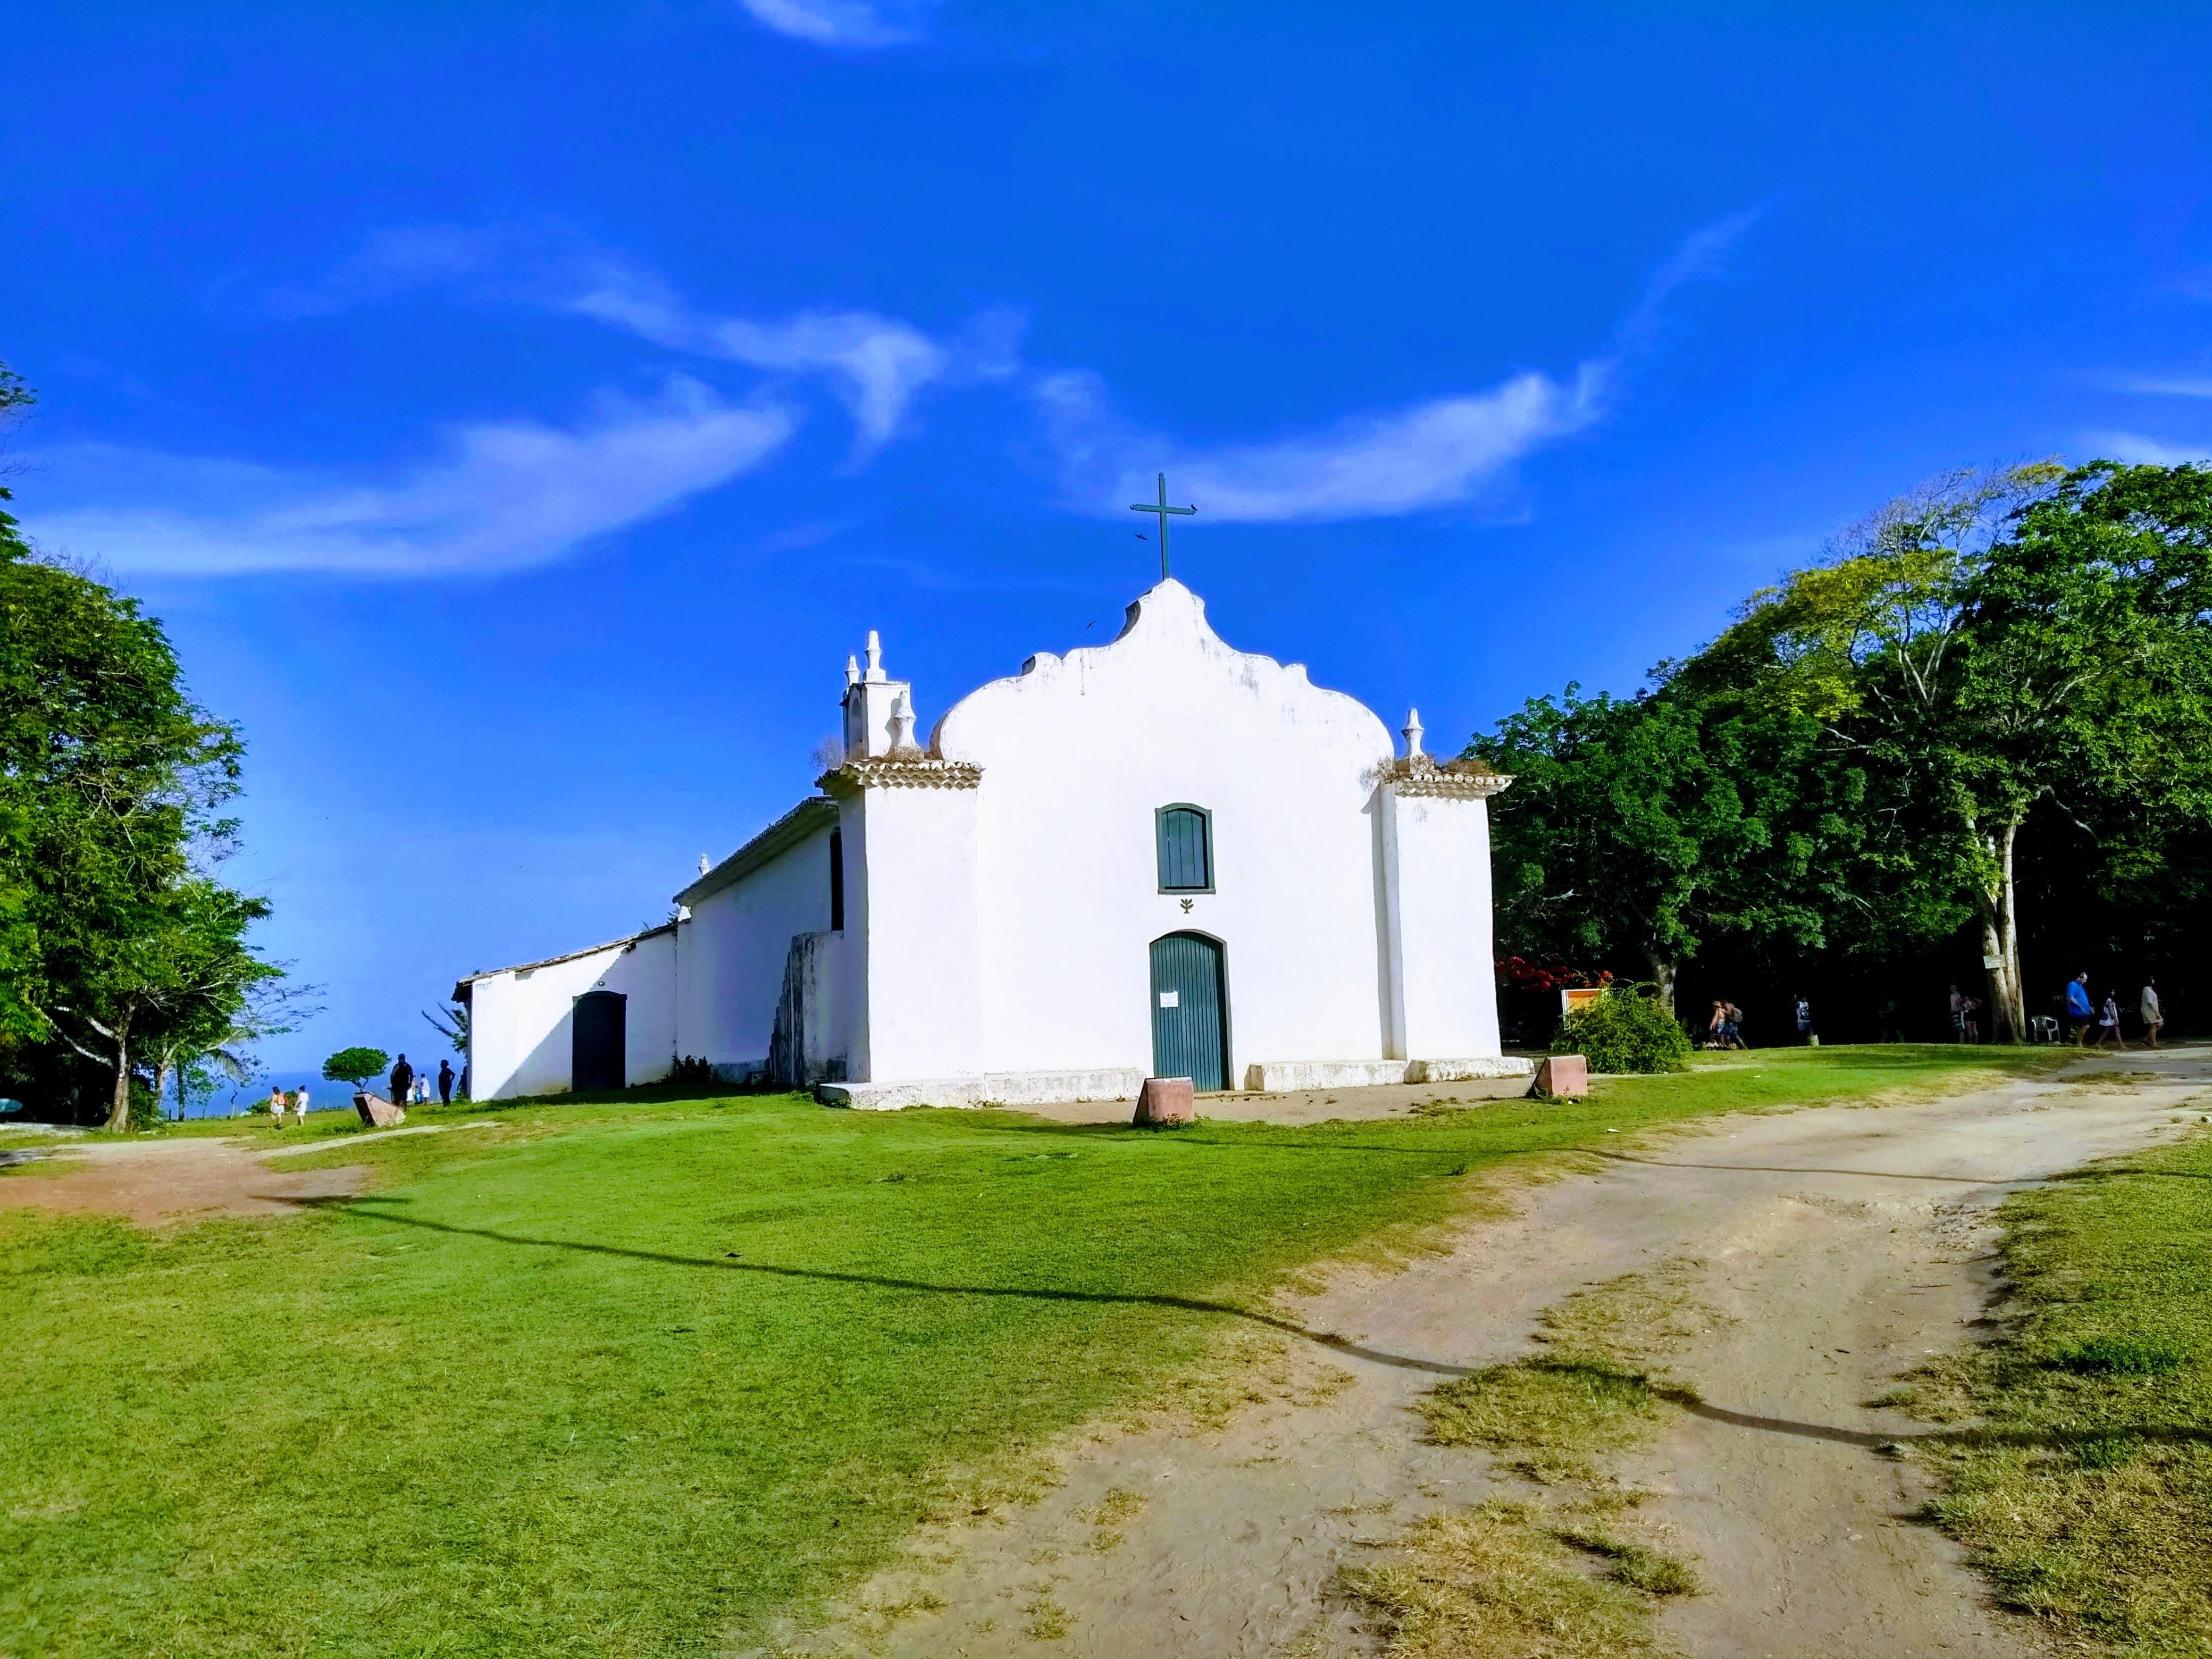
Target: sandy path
[
  {"x": 1846, "y": 1241},
  {"x": 158, "y": 1181}
]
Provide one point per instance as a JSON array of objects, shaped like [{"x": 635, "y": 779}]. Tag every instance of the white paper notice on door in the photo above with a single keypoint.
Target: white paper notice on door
[{"x": 1170, "y": 999}]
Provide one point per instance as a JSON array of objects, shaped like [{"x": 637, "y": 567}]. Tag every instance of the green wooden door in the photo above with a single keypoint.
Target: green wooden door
[{"x": 1190, "y": 1010}]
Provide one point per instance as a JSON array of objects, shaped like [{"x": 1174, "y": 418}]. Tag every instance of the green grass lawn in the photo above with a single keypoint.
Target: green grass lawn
[
  {"x": 628, "y": 1378},
  {"x": 2087, "y": 1487}
]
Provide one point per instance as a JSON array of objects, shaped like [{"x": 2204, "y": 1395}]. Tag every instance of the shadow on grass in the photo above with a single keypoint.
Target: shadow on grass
[
  {"x": 2036, "y": 1439},
  {"x": 376, "y": 1208},
  {"x": 1687, "y": 1400}
]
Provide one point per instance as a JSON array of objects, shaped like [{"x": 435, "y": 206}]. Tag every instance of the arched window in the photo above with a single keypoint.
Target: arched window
[{"x": 1186, "y": 846}]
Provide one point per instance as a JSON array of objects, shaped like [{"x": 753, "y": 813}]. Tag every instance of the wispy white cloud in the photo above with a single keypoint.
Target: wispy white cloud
[
  {"x": 2154, "y": 386},
  {"x": 502, "y": 496},
  {"x": 1703, "y": 255},
  {"x": 1438, "y": 452},
  {"x": 858, "y": 24},
  {"x": 876, "y": 365},
  {"x": 879, "y": 364},
  {"x": 2145, "y": 451},
  {"x": 1431, "y": 455}
]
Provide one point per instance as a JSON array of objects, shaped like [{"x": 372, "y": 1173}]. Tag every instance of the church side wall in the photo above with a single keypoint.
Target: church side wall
[
  {"x": 919, "y": 985},
  {"x": 1445, "y": 966},
  {"x": 738, "y": 942},
  {"x": 521, "y": 1024}
]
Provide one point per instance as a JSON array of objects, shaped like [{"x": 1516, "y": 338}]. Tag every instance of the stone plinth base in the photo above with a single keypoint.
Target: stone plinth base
[
  {"x": 1165, "y": 1100},
  {"x": 377, "y": 1112},
  {"x": 1280, "y": 1077},
  {"x": 988, "y": 1088},
  {"x": 1561, "y": 1077}
]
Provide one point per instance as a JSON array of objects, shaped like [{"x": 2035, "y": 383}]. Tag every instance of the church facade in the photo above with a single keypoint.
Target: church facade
[{"x": 1159, "y": 856}]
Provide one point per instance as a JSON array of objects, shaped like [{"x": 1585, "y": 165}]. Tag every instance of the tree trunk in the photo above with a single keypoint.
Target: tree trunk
[
  {"x": 119, "y": 1111},
  {"x": 2000, "y": 912},
  {"x": 1662, "y": 979}
]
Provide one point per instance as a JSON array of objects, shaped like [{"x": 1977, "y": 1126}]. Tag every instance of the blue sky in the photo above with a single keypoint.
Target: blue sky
[{"x": 518, "y": 413}]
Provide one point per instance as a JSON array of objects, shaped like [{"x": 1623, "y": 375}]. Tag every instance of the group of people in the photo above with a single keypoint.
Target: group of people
[
  {"x": 408, "y": 1088},
  {"x": 1724, "y": 1029},
  {"x": 2104, "y": 1020},
  {"x": 412, "y": 1088},
  {"x": 281, "y": 1100}
]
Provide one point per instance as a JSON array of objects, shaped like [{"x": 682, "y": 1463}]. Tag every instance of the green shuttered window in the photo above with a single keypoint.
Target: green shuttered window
[{"x": 1186, "y": 843}]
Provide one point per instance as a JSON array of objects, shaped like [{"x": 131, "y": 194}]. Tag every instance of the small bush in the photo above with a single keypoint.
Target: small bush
[
  {"x": 1624, "y": 1032},
  {"x": 693, "y": 1072}
]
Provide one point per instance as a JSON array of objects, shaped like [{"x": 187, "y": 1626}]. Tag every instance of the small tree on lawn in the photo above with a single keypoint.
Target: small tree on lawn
[{"x": 357, "y": 1065}]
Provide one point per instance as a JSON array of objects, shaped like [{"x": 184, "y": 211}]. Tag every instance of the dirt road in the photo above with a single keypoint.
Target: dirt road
[{"x": 1845, "y": 1244}]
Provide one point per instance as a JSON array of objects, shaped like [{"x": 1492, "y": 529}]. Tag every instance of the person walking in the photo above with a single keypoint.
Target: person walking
[
  {"x": 2108, "y": 1023},
  {"x": 1972, "y": 1011},
  {"x": 445, "y": 1083},
  {"x": 403, "y": 1080},
  {"x": 2078, "y": 1008},
  {"x": 1958, "y": 1015},
  {"x": 276, "y": 1105},
  {"x": 1804, "y": 1022},
  {"x": 2154, "y": 1013},
  {"x": 299, "y": 1104}
]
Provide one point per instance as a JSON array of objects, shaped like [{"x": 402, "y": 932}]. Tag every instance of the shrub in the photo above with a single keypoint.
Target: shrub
[
  {"x": 1624, "y": 1032},
  {"x": 693, "y": 1072},
  {"x": 357, "y": 1065}
]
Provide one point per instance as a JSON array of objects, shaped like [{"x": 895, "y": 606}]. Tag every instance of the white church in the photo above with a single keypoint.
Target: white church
[{"x": 1160, "y": 856}]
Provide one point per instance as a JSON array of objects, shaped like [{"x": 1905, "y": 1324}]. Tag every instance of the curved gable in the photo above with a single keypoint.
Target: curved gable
[{"x": 1166, "y": 674}]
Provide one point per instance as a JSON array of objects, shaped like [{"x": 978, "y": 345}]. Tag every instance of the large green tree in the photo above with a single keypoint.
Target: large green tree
[
  {"x": 1639, "y": 828},
  {"x": 117, "y": 941},
  {"x": 1988, "y": 643}
]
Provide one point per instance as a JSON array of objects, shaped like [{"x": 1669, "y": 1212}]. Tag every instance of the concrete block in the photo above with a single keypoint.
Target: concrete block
[
  {"x": 377, "y": 1112},
  {"x": 1166, "y": 1100},
  {"x": 1014, "y": 1089},
  {"x": 1469, "y": 1071},
  {"x": 1561, "y": 1077}
]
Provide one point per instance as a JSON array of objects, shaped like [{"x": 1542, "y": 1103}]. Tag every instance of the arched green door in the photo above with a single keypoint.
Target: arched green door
[{"x": 1190, "y": 1010}]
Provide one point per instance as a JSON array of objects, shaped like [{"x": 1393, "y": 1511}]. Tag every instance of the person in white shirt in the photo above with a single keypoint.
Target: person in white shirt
[
  {"x": 299, "y": 1104},
  {"x": 2154, "y": 1013}
]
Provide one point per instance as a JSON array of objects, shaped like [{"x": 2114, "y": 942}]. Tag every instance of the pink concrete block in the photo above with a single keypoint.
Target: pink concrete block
[
  {"x": 1166, "y": 1100},
  {"x": 377, "y": 1112},
  {"x": 1562, "y": 1077}
]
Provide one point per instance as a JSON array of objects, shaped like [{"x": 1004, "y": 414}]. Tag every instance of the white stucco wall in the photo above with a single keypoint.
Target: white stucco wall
[
  {"x": 1077, "y": 753},
  {"x": 1444, "y": 976},
  {"x": 736, "y": 944},
  {"x": 521, "y": 1024},
  {"x": 912, "y": 992}
]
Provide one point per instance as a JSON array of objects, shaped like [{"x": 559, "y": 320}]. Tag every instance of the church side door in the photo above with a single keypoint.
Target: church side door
[
  {"x": 1190, "y": 1010},
  {"x": 597, "y": 1040}
]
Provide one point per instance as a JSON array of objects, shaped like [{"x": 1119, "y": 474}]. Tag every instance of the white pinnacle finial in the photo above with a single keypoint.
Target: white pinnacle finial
[
  {"x": 902, "y": 723},
  {"x": 705, "y": 864},
  {"x": 875, "y": 657},
  {"x": 852, "y": 671},
  {"x": 1411, "y": 732}
]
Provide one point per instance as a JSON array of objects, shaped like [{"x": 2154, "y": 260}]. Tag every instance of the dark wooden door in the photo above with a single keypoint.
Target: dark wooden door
[
  {"x": 595, "y": 1057},
  {"x": 1190, "y": 1010}
]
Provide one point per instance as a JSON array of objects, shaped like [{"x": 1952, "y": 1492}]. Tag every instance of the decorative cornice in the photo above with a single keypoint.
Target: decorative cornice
[
  {"x": 1418, "y": 774},
  {"x": 910, "y": 770}
]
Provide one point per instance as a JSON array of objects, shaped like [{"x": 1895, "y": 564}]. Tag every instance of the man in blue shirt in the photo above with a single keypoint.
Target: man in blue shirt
[{"x": 2078, "y": 1008}]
